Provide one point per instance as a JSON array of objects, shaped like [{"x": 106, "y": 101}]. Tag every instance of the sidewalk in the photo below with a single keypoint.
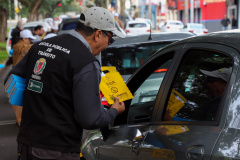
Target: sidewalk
[
  {"x": 8, "y": 127},
  {"x": 7, "y": 112}
]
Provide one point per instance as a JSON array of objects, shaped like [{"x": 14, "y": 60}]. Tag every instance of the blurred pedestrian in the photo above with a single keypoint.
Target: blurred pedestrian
[
  {"x": 234, "y": 22},
  {"x": 38, "y": 32},
  {"x": 20, "y": 49},
  {"x": 54, "y": 29},
  {"x": 16, "y": 33},
  {"x": 225, "y": 22},
  {"x": 118, "y": 20},
  {"x": 62, "y": 94},
  {"x": 15, "y": 38}
]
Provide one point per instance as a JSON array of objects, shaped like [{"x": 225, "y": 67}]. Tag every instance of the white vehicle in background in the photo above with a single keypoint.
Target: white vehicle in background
[
  {"x": 171, "y": 26},
  {"x": 144, "y": 19},
  {"x": 196, "y": 28},
  {"x": 137, "y": 27},
  {"x": 32, "y": 25}
]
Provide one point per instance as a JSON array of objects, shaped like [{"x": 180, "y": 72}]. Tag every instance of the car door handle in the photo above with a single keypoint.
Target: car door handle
[
  {"x": 135, "y": 147},
  {"x": 195, "y": 152}
]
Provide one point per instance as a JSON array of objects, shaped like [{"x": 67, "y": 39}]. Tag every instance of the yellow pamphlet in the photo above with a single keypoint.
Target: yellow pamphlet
[
  {"x": 175, "y": 103},
  {"x": 112, "y": 85}
]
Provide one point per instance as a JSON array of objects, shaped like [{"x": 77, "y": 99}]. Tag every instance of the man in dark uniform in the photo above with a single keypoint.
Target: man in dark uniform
[{"x": 62, "y": 90}]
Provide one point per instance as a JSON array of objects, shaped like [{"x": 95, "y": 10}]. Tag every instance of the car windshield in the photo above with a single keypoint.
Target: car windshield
[
  {"x": 128, "y": 58},
  {"x": 137, "y": 25}
]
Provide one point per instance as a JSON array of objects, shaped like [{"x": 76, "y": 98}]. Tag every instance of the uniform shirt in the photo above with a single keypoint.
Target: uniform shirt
[
  {"x": 85, "y": 84},
  {"x": 88, "y": 112}
]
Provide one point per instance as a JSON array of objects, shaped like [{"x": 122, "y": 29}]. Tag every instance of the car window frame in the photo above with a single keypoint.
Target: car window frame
[
  {"x": 142, "y": 44},
  {"x": 133, "y": 86},
  {"x": 233, "y": 53}
]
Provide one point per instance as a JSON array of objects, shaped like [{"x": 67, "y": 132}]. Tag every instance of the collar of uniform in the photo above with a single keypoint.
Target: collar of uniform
[{"x": 81, "y": 38}]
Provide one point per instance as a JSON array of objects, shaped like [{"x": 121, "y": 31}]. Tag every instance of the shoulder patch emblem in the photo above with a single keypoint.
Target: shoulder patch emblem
[{"x": 39, "y": 66}]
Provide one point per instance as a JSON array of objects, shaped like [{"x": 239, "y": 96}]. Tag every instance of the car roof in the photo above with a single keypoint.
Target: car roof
[
  {"x": 228, "y": 38},
  {"x": 195, "y": 23},
  {"x": 138, "y": 21},
  {"x": 156, "y": 37},
  {"x": 173, "y": 21},
  {"x": 36, "y": 23}
]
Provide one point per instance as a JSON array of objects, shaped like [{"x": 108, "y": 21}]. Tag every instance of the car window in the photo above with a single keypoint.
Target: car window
[
  {"x": 128, "y": 58},
  {"x": 137, "y": 25},
  {"x": 197, "y": 26},
  {"x": 197, "y": 91},
  {"x": 142, "y": 104}
]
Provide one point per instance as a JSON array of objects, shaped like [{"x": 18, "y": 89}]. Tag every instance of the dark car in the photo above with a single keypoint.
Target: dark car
[
  {"x": 128, "y": 54},
  {"x": 173, "y": 114}
]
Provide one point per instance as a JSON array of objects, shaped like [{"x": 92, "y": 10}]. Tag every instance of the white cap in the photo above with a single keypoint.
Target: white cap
[
  {"x": 50, "y": 35},
  {"x": 116, "y": 14},
  {"x": 100, "y": 18},
  {"x": 26, "y": 34},
  {"x": 223, "y": 73},
  {"x": 55, "y": 27}
]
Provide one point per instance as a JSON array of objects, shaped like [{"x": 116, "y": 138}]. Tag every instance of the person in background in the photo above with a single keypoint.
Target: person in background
[
  {"x": 118, "y": 20},
  {"x": 234, "y": 22},
  {"x": 16, "y": 33},
  {"x": 62, "y": 96},
  {"x": 54, "y": 29},
  {"x": 215, "y": 83},
  {"x": 15, "y": 38},
  {"x": 20, "y": 49},
  {"x": 38, "y": 32},
  {"x": 225, "y": 22}
]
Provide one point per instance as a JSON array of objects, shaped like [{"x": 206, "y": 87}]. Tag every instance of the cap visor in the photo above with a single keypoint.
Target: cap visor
[
  {"x": 210, "y": 74},
  {"x": 32, "y": 37},
  {"x": 118, "y": 33}
]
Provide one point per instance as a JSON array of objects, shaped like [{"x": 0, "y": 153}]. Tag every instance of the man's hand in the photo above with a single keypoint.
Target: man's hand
[{"x": 120, "y": 106}]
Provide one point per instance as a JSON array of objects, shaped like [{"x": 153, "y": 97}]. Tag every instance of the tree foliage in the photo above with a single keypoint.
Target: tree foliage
[
  {"x": 4, "y": 11},
  {"x": 46, "y": 8}
]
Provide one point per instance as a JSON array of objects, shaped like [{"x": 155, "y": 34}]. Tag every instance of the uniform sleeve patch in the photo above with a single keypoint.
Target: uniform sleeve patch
[{"x": 35, "y": 86}]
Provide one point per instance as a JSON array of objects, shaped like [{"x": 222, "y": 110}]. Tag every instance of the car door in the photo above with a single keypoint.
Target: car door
[
  {"x": 188, "y": 119},
  {"x": 123, "y": 139}
]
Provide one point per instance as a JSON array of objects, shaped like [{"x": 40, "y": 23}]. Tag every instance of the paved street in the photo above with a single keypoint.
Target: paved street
[{"x": 8, "y": 127}]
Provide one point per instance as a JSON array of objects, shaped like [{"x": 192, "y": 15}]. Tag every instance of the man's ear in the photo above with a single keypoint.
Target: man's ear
[{"x": 97, "y": 35}]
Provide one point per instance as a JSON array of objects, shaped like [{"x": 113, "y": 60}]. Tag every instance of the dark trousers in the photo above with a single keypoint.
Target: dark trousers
[{"x": 26, "y": 152}]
